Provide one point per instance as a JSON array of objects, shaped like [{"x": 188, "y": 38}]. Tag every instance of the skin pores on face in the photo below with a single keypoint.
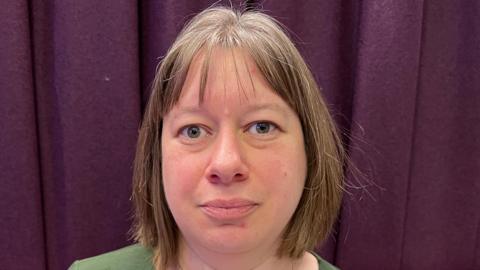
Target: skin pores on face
[{"x": 233, "y": 166}]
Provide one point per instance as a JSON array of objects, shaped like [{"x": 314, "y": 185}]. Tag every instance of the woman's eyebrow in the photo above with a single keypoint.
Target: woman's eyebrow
[
  {"x": 187, "y": 110},
  {"x": 267, "y": 106},
  {"x": 247, "y": 109}
]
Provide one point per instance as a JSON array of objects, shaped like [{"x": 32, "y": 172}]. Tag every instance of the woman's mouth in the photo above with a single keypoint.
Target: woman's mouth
[{"x": 228, "y": 210}]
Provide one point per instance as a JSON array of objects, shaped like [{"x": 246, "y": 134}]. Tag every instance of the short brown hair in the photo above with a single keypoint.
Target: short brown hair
[{"x": 281, "y": 64}]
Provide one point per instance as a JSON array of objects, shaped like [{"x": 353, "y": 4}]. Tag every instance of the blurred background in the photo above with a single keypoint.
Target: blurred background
[{"x": 402, "y": 79}]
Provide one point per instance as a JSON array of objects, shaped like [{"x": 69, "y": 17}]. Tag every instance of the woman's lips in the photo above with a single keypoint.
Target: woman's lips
[{"x": 228, "y": 210}]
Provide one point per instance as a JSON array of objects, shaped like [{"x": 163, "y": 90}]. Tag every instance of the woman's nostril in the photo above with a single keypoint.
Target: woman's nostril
[
  {"x": 213, "y": 178},
  {"x": 225, "y": 176},
  {"x": 240, "y": 176}
]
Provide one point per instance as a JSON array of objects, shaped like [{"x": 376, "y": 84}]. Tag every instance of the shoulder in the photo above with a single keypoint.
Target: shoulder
[
  {"x": 323, "y": 264},
  {"x": 130, "y": 257}
]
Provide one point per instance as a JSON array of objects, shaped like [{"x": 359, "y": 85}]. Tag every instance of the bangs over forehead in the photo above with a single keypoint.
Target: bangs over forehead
[
  {"x": 274, "y": 55},
  {"x": 232, "y": 65}
]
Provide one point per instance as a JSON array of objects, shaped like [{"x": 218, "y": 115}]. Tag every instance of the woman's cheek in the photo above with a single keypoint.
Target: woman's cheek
[
  {"x": 183, "y": 171},
  {"x": 268, "y": 168}
]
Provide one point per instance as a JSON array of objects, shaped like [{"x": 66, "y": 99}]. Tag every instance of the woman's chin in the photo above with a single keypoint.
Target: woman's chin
[{"x": 230, "y": 240}]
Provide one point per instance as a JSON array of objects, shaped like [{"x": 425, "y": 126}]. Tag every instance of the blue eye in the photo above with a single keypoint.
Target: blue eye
[
  {"x": 262, "y": 128},
  {"x": 192, "y": 132}
]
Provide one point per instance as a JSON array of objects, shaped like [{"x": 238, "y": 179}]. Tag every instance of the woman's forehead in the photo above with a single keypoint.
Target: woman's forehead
[{"x": 231, "y": 75}]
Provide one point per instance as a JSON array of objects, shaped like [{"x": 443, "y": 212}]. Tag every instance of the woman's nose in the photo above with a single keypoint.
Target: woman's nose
[{"x": 227, "y": 164}]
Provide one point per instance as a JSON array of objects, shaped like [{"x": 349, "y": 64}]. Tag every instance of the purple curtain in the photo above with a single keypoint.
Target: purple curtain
[{"x": 402, "y": 79}]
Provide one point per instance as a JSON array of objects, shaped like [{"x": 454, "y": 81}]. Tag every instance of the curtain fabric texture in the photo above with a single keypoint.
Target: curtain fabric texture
[{"x": 402, "y": 79}]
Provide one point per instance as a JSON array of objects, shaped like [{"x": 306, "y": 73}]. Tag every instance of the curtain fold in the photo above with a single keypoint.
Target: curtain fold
[
  {"x": 21, "y": 223},
  {"x": 86, "y": 74},
  {"x": 384, "y": 115},
  {"x": 400, "y": 77},
  {"x": 443, "y": 208}
]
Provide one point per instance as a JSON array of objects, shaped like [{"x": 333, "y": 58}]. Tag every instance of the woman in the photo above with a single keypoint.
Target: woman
[{"x": 238, "y": 164}]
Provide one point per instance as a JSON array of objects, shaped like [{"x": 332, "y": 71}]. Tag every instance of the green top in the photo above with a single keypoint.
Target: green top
[{"x": 136, "y": 257}]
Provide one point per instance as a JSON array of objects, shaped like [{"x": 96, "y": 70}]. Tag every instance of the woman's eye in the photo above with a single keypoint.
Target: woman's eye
[
  {"x": 192, "y": 132},
  {"x": 262, "y": 128}
]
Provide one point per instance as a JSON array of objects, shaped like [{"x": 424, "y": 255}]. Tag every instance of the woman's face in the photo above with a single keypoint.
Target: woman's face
[{"x": 233, "y": 166}]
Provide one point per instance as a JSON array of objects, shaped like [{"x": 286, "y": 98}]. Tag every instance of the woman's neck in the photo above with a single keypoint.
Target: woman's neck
[{"x": 263, "y": 258}]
